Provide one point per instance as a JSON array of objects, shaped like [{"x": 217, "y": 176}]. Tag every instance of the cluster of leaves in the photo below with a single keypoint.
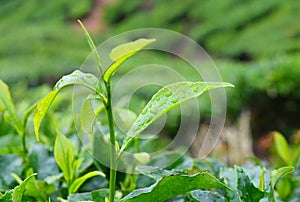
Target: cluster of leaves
[
  {"x": 34, "y": 35},
  {"x": 63, "y": 168},
  {"x": 231, "y": 28}
]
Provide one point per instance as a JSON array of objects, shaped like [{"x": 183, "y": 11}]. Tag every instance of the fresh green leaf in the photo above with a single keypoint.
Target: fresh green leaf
[
  {"x": 77, "y": 77},
  {"x": 7, "y": 196},
  {"x": 246, "y": 189},
  {"x": 122, "y": 52},
  {"x": 276, "y": 174},
  {"x": 91, "y": 45},
  {"x": 200, "y": 195},
  {"x": 7, "y": 106},
  {"x": 64, "y": 156},
  {"x": 282, "y": 148},
  {"x": 19, "y": 190},
  {"x": 79, "y": 181},
  {"x": 87, "y": 116},
  {"x": 173, "y": 185},
  {"x": 166, "y": 99},
  {"x": 41, "y": 111},
  {"x": 100, "y": 195}
]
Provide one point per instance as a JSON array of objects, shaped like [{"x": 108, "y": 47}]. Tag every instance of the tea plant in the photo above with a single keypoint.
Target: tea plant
[{"x": 186, "y": 179}]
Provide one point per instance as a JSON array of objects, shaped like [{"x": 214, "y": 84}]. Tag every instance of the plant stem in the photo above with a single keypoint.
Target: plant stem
[{"x": 113, "y": 160}]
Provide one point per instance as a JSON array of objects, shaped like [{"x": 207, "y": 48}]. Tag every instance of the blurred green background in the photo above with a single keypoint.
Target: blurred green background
[{"x": 255, "y": 44}]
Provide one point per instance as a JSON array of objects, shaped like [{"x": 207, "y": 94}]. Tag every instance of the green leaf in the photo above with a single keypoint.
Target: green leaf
[
  {"x": 19, "y": 190},
  {"x": 91, "y": 45},
  {"x": 7, "y": 196},
  {"x": 100, "y": 195},
  {"x": 166, "y": 99},
  {"x": 246, "y": 189},
  {"x": 87, "y": 116},
  {"x": 41, "y": 111},
  {"x": 173, "y": 185},
  {"x": 122, "y": 52},
  {"x": 79, "y": 181},
  {"x": 276, "y": 174},
  {"x": 77, "y": 77},
  {"x": 7, "y": 106},
  {"x": 200, "y": 195},
  {"x": 79, "y": 197},
  {"x": 282, "y": 148},
  {"x": 64, "y": 156}
]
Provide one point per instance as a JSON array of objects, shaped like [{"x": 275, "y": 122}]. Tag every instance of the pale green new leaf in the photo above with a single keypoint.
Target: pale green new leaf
[
  {"x": 41, "y": 111},
  {"x": 8, "y": 108},
  {"x": 87, "y": 116},
  {"x": 166, "y": 99},
  {"x": 64, "y": 156},
  {"x": 77, "y": 77},
  {"x": 17, "y": 194},
  {"x": 79, "y": 181},
  {"x": 122, "y": 52},
  {"x": 282, "y": 148},
  {"x": 173, "y": 185},
  {"x": 276, "y": 174}
]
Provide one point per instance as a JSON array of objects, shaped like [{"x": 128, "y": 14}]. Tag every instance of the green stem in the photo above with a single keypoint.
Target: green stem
[{"x": 113, "y": 160}]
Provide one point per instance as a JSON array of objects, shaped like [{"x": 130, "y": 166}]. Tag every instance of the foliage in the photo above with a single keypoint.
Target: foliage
[
  {"x": 34, "y": 35},
  {"x": 231, "y": 28}
]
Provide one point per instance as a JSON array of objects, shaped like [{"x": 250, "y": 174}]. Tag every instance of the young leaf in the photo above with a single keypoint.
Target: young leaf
[
  {"x": 7, "y": 106},
  {"x": 173, "y": 185},
  {"x": 19, "y": 190},
  {"x": 41, "y": 111},
  {"x": 91, "y": 45},
  {"x": 64, "y": 156},
  {"x": 246, "y": 189},
  {"x": 79, "y": 181},
  {"x": 77, "y": 77},
  {"x": 122, "y": 52},
  {"x": 282, "y": 148},
  {"x": 166, "y": 99},
  {"x": 87, "y": 116},
  {"x": 276, "y": 174}
]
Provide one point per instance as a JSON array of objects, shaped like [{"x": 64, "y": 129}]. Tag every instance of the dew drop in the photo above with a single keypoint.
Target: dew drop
[
  {"x": 144, "y": 111},
  {"x": 168, "y": 93},
  {"x": 190, "y": 85},
  {"x": 89, "y": 76},
  {"x": 195, "y": 88},
  {"x": 240, "y": 170}
]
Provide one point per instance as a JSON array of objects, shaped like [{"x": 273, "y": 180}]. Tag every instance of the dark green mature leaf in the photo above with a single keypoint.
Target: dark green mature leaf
[
  {"x": 276, "y": 174},
  {"x": 282, "y": 148},
  {"x": 80, "y": 197},
  {"x": 64, "y": 156},
  {"x": 166, "y": 99},
  {"x": 173, "y": 185},
  {"x": 79, "y": 181},
  {"x": 122, "y": 52},
  {"x": 100, "y": 195},
  {"x": 19, "y": 190},
  {"x": 246, "y": 189},
  {"x": 10, "y": 163},
  {"x": 7, "y": 106},
  {"x": 77, "y": 77}
]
